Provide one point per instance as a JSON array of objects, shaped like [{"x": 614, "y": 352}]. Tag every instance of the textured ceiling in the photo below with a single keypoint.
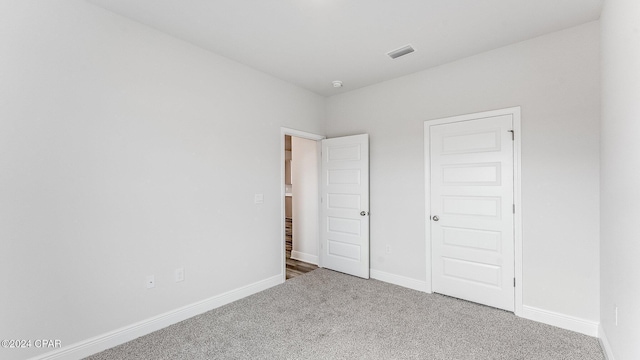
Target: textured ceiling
[{"x": 313, "y": 42}]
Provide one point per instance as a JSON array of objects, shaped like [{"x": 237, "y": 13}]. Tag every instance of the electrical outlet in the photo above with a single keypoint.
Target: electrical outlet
[
  {"x": 151, "y": 282},
  {"x": 387, "y": 249},
  {"x": 179, "y": 274},
  {"x": 258, "y": 198}
]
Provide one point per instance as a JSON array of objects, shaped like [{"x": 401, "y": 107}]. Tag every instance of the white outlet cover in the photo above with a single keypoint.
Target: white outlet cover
[
  {"x": 258, "y": 198},
  {"x": 179, "y": 274}
]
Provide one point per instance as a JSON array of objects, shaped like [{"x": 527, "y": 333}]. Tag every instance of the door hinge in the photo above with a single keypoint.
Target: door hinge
[
  {"x": 513, "y": 135},
  {"x": 514, "y": 208},
  {"x": 514, "y": 282}
]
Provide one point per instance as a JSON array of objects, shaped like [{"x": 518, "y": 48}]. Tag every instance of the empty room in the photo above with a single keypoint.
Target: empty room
[{"x": 468, "y": 187}]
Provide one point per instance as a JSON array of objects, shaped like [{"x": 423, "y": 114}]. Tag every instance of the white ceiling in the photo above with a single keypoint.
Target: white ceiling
[{"x": 313, "y": 42}]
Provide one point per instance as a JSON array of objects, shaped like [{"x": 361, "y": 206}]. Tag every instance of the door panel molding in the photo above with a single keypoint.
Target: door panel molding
[
  {"x": 515, "y": 112},
  {"x": 344, "y": 219}
]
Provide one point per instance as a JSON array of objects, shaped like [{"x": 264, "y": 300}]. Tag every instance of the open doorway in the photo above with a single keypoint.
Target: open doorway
[
  {"x": 300, "y": 159},
  {"x": 301, "y": 205},
  {"x": 333, "y": 233}
]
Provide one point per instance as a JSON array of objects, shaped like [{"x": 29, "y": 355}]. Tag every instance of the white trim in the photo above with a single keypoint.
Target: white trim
[
  {"x": 567, "y": 322},
  {"x": 517, "y": 198},
  {"x": 517, "y": 192},
  {"x": 399, "y": 280},
  {"x": 427, "y": 202},
  {"x": 305, "y": 135},
  {"x": 120, "y": 336},
  {"x": 604, "y": 343},
  {"x": 308, "y": 258},
  {"x": 319, "y": 219},
  {"x": 301, "y": 134}
]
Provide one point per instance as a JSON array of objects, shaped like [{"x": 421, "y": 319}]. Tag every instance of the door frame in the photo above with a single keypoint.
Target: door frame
[
  {"x": 304, "y": 135},
  {"x": 517, "y": 193}
]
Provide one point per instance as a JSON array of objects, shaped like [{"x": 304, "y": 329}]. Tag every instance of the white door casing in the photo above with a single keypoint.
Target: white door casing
[
  {"x": 471, "y": 208},
  {"x": 344, "y": 217}
]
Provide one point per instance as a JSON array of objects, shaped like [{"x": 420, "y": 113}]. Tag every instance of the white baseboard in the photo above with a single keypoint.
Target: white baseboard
[
  {"x": 308, "y": 258},
  {"x": 563, "y": 321},
  {"x": 604, "y": 343},
  {"x": 120, "y": 336},
  {"x": 398, "y": 280}
]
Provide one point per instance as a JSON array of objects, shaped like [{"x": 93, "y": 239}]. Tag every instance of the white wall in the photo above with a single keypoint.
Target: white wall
[
  {"x": 304, "y": 174},
  {"x": 555, "y": 79},
  {"x": 620, "y": 178},
  {"x": 124, "y": 153}
]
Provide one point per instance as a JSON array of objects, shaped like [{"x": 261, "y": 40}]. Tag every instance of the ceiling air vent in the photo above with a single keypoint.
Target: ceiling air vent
[{"x": 394, "y": 54}]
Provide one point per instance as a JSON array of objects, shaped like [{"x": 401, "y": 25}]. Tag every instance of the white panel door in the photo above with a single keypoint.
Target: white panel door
[
  {"x": 344, "y": 218},
  {"x": 472, "y": 237}
]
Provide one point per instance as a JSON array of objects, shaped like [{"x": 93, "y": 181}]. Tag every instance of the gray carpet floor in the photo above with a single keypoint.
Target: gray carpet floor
[{"x": 328, "y": 315}]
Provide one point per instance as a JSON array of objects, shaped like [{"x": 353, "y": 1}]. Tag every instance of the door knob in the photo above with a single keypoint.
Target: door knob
[
  {"x": 363, "y": 213},
  {"x": 435, "y": 218}
]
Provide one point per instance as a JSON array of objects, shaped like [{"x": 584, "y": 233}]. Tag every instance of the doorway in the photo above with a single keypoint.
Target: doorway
[
  {"x": 473, "y": 207},
  {"x": 340, "y": 216},
  {"x": 300, "y": 202},
  {"x": 301, "y": 205}
]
